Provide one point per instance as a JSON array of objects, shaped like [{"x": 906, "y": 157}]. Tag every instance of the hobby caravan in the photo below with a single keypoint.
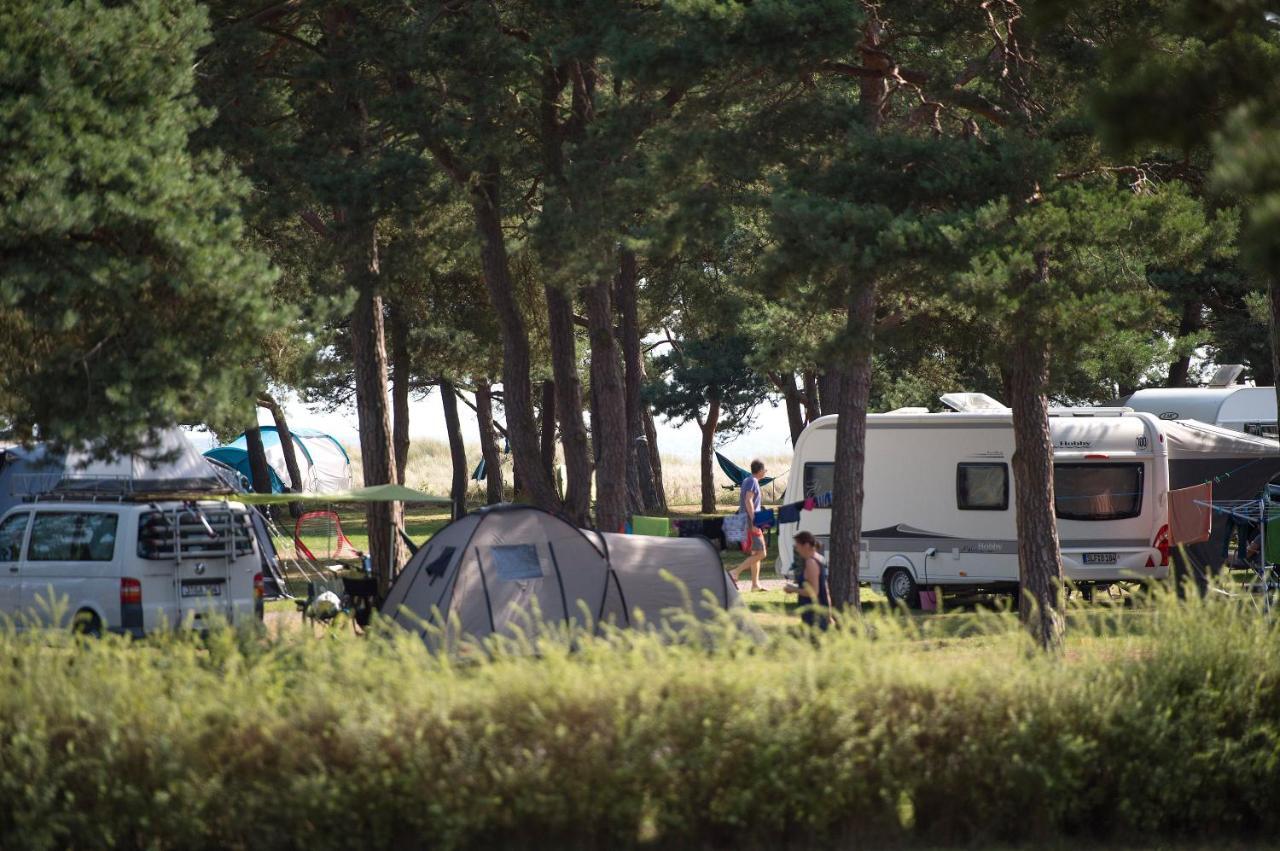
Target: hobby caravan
[{"x": 939, "y": 504}]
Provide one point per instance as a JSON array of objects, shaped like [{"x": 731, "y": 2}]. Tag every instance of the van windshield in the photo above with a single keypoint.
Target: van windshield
[{"x": 1097, "y": 491}]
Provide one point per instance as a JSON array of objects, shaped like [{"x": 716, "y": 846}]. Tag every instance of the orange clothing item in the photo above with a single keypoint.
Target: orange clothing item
[{"x": 1191, "y": 514}]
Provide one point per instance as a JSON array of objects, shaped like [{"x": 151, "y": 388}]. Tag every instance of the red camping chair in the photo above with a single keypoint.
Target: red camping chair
[{"x": 322, "y": 525}]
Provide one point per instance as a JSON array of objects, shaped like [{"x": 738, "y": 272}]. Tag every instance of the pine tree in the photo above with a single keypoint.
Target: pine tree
[{"x": 129, "y": 297}]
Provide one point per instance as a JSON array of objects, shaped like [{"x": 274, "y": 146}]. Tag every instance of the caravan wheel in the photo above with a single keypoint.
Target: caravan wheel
[{"x": 900, "y": 587}]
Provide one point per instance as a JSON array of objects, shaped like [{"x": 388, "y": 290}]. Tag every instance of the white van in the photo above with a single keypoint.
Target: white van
[
  {"x": 938, "y": 508},
  {"x": 129, "y": 567}
]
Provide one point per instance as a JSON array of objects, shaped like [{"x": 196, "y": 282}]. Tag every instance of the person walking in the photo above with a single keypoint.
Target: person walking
[
  {"x": 750, "y": 500},
  {"x": 809, "y": 582}
]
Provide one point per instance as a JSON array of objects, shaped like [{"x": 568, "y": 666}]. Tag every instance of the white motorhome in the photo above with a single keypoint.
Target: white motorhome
[
  {"x": 1251, "y": 410},
  {"x": 939, "y": 504},
  {"x": 128, "y": 566}
]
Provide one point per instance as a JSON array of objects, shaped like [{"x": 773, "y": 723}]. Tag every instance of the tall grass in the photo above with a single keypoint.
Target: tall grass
[
  {"x": 1155, "y": 723},
  {"x": 430, "y": 469}
]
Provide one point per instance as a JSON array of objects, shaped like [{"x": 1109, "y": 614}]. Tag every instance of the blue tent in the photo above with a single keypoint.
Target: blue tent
[
  {"x": 322, "y": 460},
  {"x": 237, "y": 458}
]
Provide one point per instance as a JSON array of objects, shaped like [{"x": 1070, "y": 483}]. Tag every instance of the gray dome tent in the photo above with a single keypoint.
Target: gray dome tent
[
  {"x": 639, "y": 562},
  {"x": 494, "y": 569}
]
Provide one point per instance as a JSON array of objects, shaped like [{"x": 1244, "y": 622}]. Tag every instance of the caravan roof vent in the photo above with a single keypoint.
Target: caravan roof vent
[
  {"x": 1226, "y": 375},
  {"x": 972, "y": 403}
]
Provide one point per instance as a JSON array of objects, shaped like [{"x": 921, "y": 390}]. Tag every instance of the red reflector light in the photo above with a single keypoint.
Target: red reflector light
[
  {"x": 258, "y": 590},
  {"x": 1097, "y": 456},
  {"x": 1162, "y": 543},
  {"x": 130, "y": 591}
]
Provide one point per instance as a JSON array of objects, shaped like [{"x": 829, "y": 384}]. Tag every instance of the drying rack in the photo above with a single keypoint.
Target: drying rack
[{"x": 1257, "y": 512}]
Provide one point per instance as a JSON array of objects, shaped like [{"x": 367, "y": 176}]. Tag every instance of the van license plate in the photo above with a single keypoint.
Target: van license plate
[
  {"x": 1099, "y": 558},
  {"x": 202, "y": 589}
]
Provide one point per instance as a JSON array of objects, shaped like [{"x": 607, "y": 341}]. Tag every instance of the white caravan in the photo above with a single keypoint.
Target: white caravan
[
  {"x": 939, "y": 504},
  {"x": 1251, "y": 410}
]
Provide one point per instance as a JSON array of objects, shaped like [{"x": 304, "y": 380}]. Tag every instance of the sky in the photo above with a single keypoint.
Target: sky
[{"x": 769, "y": 437}]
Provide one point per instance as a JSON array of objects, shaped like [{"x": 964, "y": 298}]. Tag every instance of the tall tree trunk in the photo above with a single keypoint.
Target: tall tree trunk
[
  {"x": 812, "y": 410},
  {"x": 356, "y": 236},
  {"x": 517, "y": 391},
  {"x": 489, "y": 443},
  {"x": 1190, "y": 323},
  {"x": 791, "y": 398},
  {"x": 569, "y": 403},
  {"x": 547, "y": 428},
  {"x": 287, "y": 448},
  {"x": 639, "y": 469},
  {"x": 655, "y": 461},
  {"x": 259, "y": 469},
  {"x": 852, "y": 391},
  {"x": 400, "y": 369},
  {"x": 609, "y": 423},
  {"x": 828, "y": 390},
  {"x": 708, "y": 426},
  {"x": 1039, "y": 558},
  {"x": 457, "y": 450},
  {"x": 369, "y": 353}
]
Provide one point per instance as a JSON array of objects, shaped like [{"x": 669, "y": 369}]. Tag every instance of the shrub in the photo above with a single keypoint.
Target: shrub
[{"x": 1155, "y": 723}]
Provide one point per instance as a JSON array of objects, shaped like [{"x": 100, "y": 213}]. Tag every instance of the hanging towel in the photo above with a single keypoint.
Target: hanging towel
[
  {"x": 789, "y": 513},
  {"x": 823, "y": 501},
  {"x": 1273, "y": 540},
  {"x": 810, "y": 504},
  {"x": 735, "y": 528},
  {"x": 1191, "y": 514}
]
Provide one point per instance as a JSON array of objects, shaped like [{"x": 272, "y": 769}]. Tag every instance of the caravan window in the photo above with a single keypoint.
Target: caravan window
[
  {"x": 1097, "y": 491},
  {"x": 819, "y": 478},
  {"x": 982, "y": 486}
]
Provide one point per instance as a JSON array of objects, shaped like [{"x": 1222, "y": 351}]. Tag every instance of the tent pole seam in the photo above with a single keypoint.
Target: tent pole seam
[
  {"x": 484, "y": 584},
  {"x": 564, "y": 600}
]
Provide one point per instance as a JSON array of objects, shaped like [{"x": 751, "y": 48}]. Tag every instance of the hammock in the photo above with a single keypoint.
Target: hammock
[{"x": 736, "y": 474}]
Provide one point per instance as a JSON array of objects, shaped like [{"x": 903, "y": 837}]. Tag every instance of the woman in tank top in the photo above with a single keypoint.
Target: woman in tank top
[{"x": 809, "y": 579}]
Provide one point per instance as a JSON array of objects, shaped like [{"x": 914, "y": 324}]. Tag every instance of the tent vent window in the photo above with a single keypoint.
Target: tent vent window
[{"x": 517, "y": 562}]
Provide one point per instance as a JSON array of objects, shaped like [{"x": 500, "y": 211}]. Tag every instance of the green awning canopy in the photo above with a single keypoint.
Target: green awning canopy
[{"x": 374, "y": 493}]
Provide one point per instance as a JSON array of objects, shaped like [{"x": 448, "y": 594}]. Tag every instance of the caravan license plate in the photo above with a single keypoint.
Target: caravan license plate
[
  {"x": 1099, "y": 558},
  {"x": 202, "y": 589}
]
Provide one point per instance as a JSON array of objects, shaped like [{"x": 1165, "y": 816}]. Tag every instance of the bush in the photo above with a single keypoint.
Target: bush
[{"x": 1156, "y": 723}]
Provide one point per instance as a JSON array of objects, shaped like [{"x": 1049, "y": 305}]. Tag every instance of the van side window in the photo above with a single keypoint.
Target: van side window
[
  {"x": 1097, "y": 491},
  {"x": 982, "y": 486},
  {"x": 72, "y": 536},
  {"x": 819, "y": 478},
  {"x": 11, "y": 532}
]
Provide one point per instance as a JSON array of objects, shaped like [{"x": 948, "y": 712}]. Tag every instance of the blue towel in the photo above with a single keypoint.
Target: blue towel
[
  {"x": 823, "y": 501},
  {"x": 790, "y": 513}
]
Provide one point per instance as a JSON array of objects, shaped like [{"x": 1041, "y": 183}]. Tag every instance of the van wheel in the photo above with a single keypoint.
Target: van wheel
[
  {"x": 900, "y": 587},
  {"x": 87, "y": 622}
]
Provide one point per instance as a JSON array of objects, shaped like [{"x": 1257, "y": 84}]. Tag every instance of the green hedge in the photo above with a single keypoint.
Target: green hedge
[{"x": 1156, "y": 723}]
